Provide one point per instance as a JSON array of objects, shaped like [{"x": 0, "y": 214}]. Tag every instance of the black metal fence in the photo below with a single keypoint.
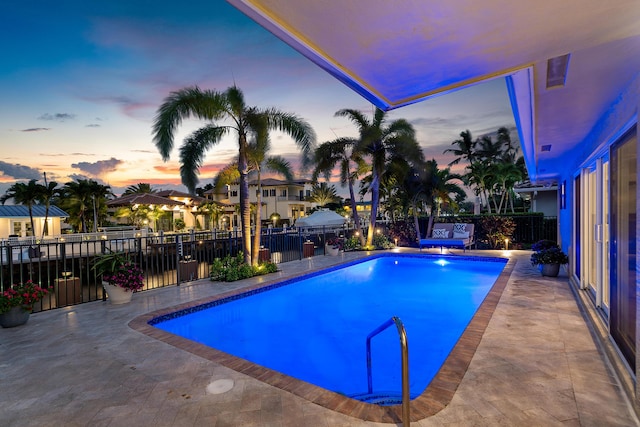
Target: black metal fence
[{"x": 64, "y": 268}]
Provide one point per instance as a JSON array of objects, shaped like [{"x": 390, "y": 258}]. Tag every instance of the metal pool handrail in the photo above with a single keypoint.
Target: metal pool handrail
[{"x": 404, "y": 356}]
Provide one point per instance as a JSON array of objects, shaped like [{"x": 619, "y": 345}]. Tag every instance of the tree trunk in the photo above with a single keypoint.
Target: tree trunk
[
  {"x": 255, "y": 251},
  {"x": 245, "y": 206},
  {"x": 416, "y": 224},
  {"x": 356, "y": 218},
  {"x": 375, "y": 198},
  {"x": 33, "y": 225}
]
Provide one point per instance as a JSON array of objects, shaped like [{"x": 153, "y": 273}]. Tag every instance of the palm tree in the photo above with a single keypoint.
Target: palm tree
[
  {"x": 24, "y": 194},
  {"x": 257, "y": 162},
  {"x": 322, "y": 194},
  {"x": 213, "y": 107},
  {"x": 465, "y": 150},
  {"x": 381, "y": 143},
  {"x": 48, "y": 191},
  {"x": 140, "y": 188},
  {"x": 341, "y": 152},
  {"x": 80, "y": 197}
]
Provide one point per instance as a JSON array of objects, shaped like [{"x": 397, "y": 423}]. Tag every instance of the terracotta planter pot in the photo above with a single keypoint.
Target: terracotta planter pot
[
  {"x": 550, "y": 270},
  {"x": 15, "y": 317},
  {"x": 116, "y": 294}
]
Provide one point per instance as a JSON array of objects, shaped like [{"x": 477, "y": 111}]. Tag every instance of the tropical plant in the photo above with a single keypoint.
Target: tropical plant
[
  {"x": 48, "y": 192},
  {"x": 341, "y": 153},
  {"x": 497, "y": 229},
  {"x": 230, "y": 269},
  {"x": 336, "y": 242},
  {"x": 85, "y": 202},
  {"x": 179, "y": 224},
  {"x": 214, "y": 107},
  {"x": 140, "y": 188},
  {"x": 544, "y": 244},
  {"x": 380, "y": 241},
  {"x": 23, "y": 295},
  {"x": 553, "y": 255},
  {"x": 323, "y": 194},
  {"x": 352, "y": 243},
  {"x": 117, "y": 268},
  {"x": 382, "y": 144}
]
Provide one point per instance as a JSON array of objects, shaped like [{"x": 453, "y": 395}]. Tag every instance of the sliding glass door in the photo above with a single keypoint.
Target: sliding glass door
[{"x": 623, "y": 245}]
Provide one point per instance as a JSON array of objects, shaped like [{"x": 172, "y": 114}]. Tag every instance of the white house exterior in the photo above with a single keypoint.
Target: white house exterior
[
  {"x": 287, "y": 199},
  {"x": 15, "y": 221}
]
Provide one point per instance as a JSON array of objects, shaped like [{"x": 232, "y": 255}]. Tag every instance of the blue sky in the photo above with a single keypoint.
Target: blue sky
[{"x": 81, "y": 82}]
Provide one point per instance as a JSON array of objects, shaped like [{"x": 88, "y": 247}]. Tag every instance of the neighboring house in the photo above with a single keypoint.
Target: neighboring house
[
  {"x": 541, "y": 198},
  {"x": 288, "y": 199},
  {"x": 15, "y": 221}
]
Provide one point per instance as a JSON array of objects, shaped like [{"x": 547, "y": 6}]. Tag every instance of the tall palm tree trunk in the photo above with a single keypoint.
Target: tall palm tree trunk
[
  {"x": 375, "y": 198},
  {"x": 256, "y": 237},
  {"x": 356, "y": 217},
  {"x": 245, "y": 205}
]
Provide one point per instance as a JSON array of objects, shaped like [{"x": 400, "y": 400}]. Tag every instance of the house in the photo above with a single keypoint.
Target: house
[
  {"x": 15, "y": 221},
  {"x": 572, "y": 72},
  {"x": 282, "y": 201},
  {"x": 540, "y": 197}
]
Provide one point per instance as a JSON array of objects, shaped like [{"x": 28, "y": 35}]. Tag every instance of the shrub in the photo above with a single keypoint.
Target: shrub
[
  {"x": 552, "y": 255},
  {"x": 352, "y": 244},
  {"x": 403, "y": 232},
  {"x": 544, "y": 244},
  {"x": 230, "y": 269},
  {"x": 496, "y": 229},
  {"x": 380, "y": 241}
]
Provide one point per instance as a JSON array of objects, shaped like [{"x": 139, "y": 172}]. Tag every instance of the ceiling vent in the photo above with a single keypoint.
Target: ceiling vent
[
  {"x": 557, "y": 71},
  {"x": 545, "y": 147}
]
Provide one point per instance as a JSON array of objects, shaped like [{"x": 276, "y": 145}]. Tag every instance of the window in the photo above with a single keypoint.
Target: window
[
  {"x": 283, "y": 193},
  {"x": 272, "y": 192},
  {"x": 234, "y": 193},
  {"x": 265, "y": 193}
]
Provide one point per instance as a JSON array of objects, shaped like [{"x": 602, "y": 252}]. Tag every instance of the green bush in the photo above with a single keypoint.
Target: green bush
[
  {"x": 496, "y": 229},
  {"x": 380, "y": 241},
  {"x": 230, "y": 269},
  {"x": 352, "y": 244}
]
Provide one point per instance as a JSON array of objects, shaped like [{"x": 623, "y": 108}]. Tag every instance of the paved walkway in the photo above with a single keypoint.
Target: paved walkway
[{"x": 536, "y": 365}]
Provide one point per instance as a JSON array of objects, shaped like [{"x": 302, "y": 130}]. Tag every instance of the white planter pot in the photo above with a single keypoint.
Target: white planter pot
[
  {"x": 330, "y": 250},
  {"x": 116, "y": 294}
]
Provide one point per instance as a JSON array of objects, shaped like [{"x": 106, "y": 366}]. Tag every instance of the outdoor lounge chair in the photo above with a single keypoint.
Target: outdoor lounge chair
[{"x": 459, "y": 235}]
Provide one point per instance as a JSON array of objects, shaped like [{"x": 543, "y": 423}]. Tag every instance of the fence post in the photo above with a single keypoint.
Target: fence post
[
  {"x": 299, "y": 244},
  {"x": 178, "y": 256}
]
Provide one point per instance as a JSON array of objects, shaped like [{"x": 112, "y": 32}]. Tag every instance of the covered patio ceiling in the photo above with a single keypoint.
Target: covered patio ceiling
[{"x": 395, "y": 53}]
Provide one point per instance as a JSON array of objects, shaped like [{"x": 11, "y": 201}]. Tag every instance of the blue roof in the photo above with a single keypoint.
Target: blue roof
[{"x": 23, "y": 211}]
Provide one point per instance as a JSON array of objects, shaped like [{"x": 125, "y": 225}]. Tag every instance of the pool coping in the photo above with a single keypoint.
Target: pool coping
[{"x": 435, "y": 397}]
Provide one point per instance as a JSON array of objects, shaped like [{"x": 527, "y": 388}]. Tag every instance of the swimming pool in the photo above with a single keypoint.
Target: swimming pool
[{"x": 315, "y": 327}]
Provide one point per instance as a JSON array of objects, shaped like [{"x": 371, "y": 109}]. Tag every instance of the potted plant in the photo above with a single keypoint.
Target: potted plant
[
  {"x": 334, "y": 245},
  {"x": 121, "y": 277},
  {"x": 550, "y": 260},
  {"x": 16, "y": 303}
]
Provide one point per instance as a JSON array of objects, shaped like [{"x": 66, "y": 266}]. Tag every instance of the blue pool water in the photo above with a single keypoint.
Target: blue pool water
[{"x": 315, "y": 328}]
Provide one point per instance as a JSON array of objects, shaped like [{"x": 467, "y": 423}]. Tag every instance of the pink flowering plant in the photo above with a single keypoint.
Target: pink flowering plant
[
  {"x": 117, "y": 269},
  {"x": 336, "y": 243},
  {"x": 23, "y": 295}
]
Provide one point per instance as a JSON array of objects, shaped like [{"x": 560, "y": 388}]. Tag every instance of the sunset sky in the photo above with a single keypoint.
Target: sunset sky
[{"x": 81, "y": 83}]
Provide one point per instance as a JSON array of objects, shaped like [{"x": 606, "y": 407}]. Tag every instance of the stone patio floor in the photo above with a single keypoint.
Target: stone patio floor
[{"x": 536, "y": 365}]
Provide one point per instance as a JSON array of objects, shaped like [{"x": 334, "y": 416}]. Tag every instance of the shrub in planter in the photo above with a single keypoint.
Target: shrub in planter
[
  {"x": 552, "y": 255},
  {"x": 543, "y": 244}
]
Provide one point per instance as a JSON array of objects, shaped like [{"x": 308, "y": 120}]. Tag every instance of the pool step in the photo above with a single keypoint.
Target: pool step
[{"x": 381, "y": 398}]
